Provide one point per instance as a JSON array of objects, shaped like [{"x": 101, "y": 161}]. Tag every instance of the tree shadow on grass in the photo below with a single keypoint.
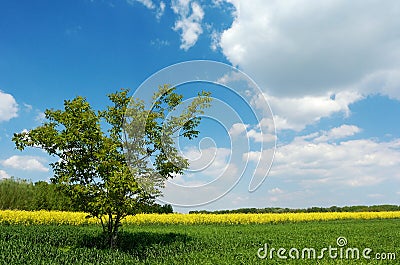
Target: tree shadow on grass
[{"x": 139, "y": 244}]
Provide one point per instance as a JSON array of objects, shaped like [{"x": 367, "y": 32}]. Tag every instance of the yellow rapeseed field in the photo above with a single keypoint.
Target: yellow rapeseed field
[
  {"x": 75, "y": 218},
  {"x": 44, "y": 217}
]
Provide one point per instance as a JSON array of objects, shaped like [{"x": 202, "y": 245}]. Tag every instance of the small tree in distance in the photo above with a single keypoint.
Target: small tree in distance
[{"x": 108, "y": 173}]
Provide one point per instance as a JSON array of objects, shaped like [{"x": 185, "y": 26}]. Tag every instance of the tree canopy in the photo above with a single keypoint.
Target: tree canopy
[{"x": 113, "y": 162}]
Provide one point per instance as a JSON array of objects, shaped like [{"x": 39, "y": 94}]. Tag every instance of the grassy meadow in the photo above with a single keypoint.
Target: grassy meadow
[{"x": 198, "y": 242}]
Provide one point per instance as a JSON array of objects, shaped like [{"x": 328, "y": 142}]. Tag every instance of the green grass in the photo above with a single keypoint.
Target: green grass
[{"x": 194, "y": 244}]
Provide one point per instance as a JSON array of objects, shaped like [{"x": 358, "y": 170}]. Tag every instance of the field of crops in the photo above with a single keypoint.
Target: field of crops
[
  {"x": 198, "y": 243},
  {"x": 74, "y": 218}
]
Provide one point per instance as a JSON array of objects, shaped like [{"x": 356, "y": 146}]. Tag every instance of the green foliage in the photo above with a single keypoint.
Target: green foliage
[
  {"x": 107, "y": 173},
  {"x": 20, "y": 194},
  {"x": 358, "y": 208},
  {"x": 17, "y": 194},
  {"x": 193, "y": 244},
  {"x": 47, "y": 196}
]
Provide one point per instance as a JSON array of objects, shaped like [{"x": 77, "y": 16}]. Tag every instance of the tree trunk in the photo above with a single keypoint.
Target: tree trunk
[
  {"x": 114, "y": 237},
  {"x": 113, "y": 232}
]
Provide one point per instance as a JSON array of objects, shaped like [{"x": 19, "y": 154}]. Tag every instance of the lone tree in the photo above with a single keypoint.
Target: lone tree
[{"x": 114, "y": 172}]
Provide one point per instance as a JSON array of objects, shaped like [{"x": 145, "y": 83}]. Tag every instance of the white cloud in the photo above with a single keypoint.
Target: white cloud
[
  {"x": 158, "y": 43},
  {"x": 237, "y": 129},
  {"x": 338, "y": 133},
  {"x": 8, "y": 107},
  {"x": 295, "y": 113},
  {"x": 147, "y": 3},
  {"x": 315, "y": 59},
  {"x": 211, "y": 161},
  {"x": 215, "y": 39},
  {"x": 256, "y": 134},
  {"x": 217, "y": 3},
  {"x": 28, "y": 163},
  {"x": 180, "y": 6},
  {"x": 40, "y": 117},
  {"x": 150, "y": 5},
  {"x": 385, "y": 82},
  {"x": 350, "y": 163},
  {"x": 261, "y": 137},
  {"x": 258, "y": 164},
  {"x": 161, "y": 10},
  {"x": 275, "y": 191},
  {"x": 232, "y": 76},
  {"x": 4, "y": 175},
  {"x": 258, "y": 156},
  {"x": 268, "y": 124},
  {"x": 254, "y": 156},
  {"x": 190, "y": 16},
  {"x": 300, "y": 47},
  {"x": 28, "y": 107},
  {"x": 211, "y": 174}
]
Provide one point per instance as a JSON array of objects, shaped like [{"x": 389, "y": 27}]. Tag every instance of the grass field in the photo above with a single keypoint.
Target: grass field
[{"x": 198, "y": 243}]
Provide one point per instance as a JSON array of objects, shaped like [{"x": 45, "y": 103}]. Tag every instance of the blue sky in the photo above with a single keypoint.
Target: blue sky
[{"x": 330, "y": 72}]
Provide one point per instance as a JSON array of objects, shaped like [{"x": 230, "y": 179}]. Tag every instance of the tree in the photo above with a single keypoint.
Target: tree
[
  {"x": 114, "y": 172},
  {"x": 16, "y": 194}
]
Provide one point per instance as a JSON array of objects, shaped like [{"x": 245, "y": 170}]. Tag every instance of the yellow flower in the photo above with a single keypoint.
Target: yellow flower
[{"x": 78, "y": 218}]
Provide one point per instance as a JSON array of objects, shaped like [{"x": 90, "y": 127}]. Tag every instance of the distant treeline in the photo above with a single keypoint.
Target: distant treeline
[
  {"x": 358, "y": 208},
  {"x": 19, "y": 194}
]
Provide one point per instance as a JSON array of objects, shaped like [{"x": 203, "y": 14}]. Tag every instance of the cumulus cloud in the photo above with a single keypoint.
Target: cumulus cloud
[
  {"x": 261, "y": 137},
  {"x": 260, "y": 158},
  {"x": 237, "y": 129},
  {"x": 8, "y": 107},
  {"x": 313, "y": 167},
  {"x": 312, "y": 162},
  {"x": 210, "y": 161},
  {"x": 384, "y": 82},
  {"x": 295, "y": 113},
  {"x": 28, "y": 163},
  {"x": 315, "y": 59},
  {"x": 4, "y": 175},
  {"x": 255, "y": 134},
  {"x": 299, "y": 47},
  {"x": 190, "y": 15},
  {"x": 211, "y": 175},
  {"x": 338, "y": 133}
]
